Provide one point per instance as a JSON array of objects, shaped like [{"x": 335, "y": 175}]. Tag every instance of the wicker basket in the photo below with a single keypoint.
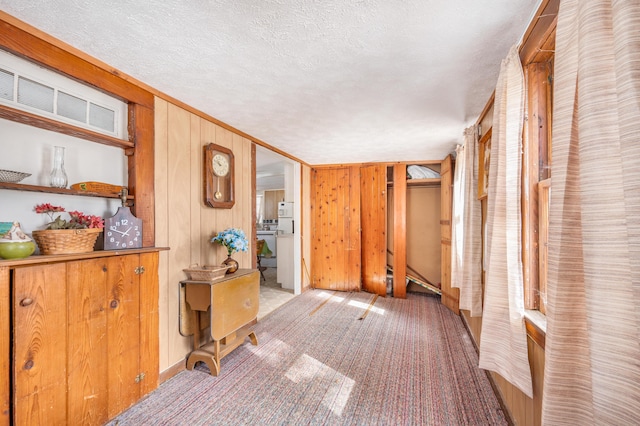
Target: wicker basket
[
  {"x": 206, "y": 272},
  {"x": 66, "y": 241}
]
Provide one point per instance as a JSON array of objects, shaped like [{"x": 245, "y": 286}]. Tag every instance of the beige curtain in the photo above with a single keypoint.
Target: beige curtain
[
  {"x": 592, "y": 356},
  {"x": 503, "y": 341},
  {"x": 466, "y": 262},
  {"x": 457, "y": 209}
]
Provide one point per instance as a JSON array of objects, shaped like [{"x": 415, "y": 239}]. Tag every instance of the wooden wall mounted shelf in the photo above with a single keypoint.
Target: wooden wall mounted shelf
[
  {"x": 48, "y": 189},
  {"x": 30, "y": 119}
]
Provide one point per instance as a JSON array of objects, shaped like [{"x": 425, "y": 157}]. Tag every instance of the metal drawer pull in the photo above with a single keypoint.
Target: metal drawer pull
[{"x": 26, "y": 302}]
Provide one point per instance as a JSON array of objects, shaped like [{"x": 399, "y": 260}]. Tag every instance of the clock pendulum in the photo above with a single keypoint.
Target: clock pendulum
[{"x": 217, "y": 195}]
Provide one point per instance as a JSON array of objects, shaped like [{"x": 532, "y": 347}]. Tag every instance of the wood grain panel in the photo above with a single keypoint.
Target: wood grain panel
[
  {"x": 450, "y": 296},
  {"x": 162, "y": 226},
  {"x": 142, "y": 169},
  {"x": 399, "y": 230},
  {"x": 87, "y": 364},
  {"x": 180, "y": 166},
  {"x": 5, "y": 348},
  {"x": 196, "y": 189},
  {"x": 40, "y": 329},
  {"x": 373, "y": 199},
  {"x": 336, "y": 229},
  {"x": 123, "y": 332},
  {"x": 180, "y": 136},
  {"x": 354, "y": 247},
  {"x": 208, "y": 216},
  {"x": 149, "y": 347},
  {"x": 305, "y": 227},
  {"x": 224, "y": 217}
]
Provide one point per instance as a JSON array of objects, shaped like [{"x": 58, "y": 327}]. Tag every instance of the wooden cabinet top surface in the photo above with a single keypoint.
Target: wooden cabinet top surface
[{"x": 37, "y": 259}]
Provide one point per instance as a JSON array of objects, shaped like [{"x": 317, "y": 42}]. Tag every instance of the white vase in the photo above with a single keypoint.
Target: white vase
[{"x": 58, "y": 175}]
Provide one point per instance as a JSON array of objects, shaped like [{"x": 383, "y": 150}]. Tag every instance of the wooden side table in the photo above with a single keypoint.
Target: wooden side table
[{"x": 234, "y": 301}]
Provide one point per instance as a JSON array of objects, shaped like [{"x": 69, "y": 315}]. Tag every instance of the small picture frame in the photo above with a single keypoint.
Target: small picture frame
[{"x": 484, "y": 159}]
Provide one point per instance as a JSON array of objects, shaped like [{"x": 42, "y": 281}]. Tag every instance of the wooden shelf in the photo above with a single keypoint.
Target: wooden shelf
[
  {"x": 423, "y": 182},
  {"x": 419, "y": 182},
  {"x": 60, "y": 127},
  {"x": 48, "y": 189}
]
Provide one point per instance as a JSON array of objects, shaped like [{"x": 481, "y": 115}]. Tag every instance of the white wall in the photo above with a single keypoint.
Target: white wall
[{"x": 29, "y": 149}]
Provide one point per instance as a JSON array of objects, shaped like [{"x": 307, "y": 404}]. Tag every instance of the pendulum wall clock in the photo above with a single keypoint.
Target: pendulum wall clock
[{"x": 218, "y": 176}]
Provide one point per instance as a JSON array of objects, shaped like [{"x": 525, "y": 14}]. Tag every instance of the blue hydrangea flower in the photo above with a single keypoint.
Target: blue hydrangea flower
[{"x": 233, "y": 239}]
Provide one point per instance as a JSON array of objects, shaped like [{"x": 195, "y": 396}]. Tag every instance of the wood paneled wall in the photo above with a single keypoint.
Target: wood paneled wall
[
  {"x": 305, "y": 217},
  {"x": 335, "y": 215},
  {"x": 373, "y": 207},
  {"x": 183, "y": 221}
]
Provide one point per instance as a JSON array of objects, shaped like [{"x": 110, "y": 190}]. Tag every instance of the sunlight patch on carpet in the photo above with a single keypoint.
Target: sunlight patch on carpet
[
  {"x": 307, "y": 369},
  {"x": 366, "y": 306}
]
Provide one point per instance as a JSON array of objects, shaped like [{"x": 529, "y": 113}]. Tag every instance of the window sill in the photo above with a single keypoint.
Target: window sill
[{"x": 536, "y": 323}]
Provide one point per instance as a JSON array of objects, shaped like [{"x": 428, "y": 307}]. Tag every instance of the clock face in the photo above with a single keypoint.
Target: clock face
[
  {"x": 220, "y": 165},
  {"x": 122, "y": 231},
  {"x": 218, "y": 176}
]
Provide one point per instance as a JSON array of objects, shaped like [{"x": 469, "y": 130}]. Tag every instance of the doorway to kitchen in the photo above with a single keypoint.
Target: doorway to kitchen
[{"x": 277, "y": 213}]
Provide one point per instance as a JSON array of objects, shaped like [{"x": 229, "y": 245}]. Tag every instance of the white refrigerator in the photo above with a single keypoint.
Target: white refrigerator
[
  {"x": 284, "y": 260},
  {"x": 285, "y": 218}
]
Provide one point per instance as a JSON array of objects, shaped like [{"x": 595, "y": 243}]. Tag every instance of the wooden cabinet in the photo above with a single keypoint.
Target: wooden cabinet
[
  {"x": 271, "y": 200},
  {"x": 85, "y": 336},
  {"x": 79, "y": 339}
]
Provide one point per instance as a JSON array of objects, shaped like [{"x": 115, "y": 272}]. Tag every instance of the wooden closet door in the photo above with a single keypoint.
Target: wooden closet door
[
  {"x": 450, "y": 296},
  {"x": 335, "y": 215},
  {"x": 373, "y": 199}
]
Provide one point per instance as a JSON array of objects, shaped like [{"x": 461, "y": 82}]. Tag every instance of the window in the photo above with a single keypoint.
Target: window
[
  {"x": 536, "y": 180},
  {"x": 28, "y": 87}
]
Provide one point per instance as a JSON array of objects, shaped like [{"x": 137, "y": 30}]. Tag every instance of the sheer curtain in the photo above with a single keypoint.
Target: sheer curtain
[
  {"x": 503, "y": 341},
  {"x": 592, "y": 355},
  {"x": 457, "y": 209},
  {"x": 466, "y": 262}
]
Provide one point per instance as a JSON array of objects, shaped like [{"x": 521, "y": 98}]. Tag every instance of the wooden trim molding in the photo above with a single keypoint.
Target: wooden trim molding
[
  {"x": 399, "y": 230},
  {"x": 25, "y": 41},
  {"x": 535, "y": 332}
]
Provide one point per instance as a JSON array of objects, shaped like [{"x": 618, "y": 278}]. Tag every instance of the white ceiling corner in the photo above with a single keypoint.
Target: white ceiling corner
[{"x": 325, "y": 81}]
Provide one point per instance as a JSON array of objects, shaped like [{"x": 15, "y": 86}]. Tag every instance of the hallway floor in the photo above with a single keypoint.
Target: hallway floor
[{"x": 272, "y": 295}]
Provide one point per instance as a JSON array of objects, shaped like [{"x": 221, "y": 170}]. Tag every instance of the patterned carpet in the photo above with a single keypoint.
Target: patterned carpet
[{"x": 331, "y": 358}]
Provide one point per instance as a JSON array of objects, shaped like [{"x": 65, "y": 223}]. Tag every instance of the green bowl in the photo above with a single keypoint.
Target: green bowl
[{"x": 17, "y": 250}]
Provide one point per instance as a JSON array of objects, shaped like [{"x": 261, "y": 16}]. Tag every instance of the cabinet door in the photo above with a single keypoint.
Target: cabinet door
[
  {"x": 149, "y": 332},
  {"x": 5, "y": 345},
  {"x": 373, "y": 198},
  {"x": 450, "y": 296},
  {"x": 87, "y": 349},
  {"x": 39, "y": 342},
  {"x": 271, "y": 200},
  {"x": 123, "y": 332}
]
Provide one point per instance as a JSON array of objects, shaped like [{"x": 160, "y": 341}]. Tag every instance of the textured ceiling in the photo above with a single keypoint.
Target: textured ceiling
[{"x": 325, "y": 81}]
